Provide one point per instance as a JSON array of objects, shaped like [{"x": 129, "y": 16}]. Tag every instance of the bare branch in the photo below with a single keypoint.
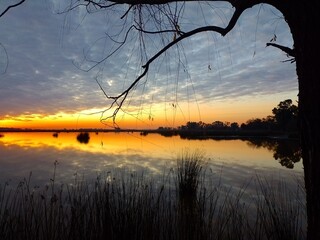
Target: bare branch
[
  {"x": 87, "y": 4},
  {"x": 96, "y": 63},
  {"x": 11, "y": 6},
  {"x": 121, "y": 43},
  {"x": 291, "y": 60},
  {"x": 119, "y": 99},
  {"x": 125, "y": 14},
  {"x": 6, "y": 59},
  {"x": 136, "y": 6},
  {"x": 150, "y": 2},
  {"x": 1, "y": 46},
  {"x": 161, "y": 31},
  {"x": 99, "y": 5},
  {"x": 285, "y": 49},
  {"x": 161, "y": 2}
]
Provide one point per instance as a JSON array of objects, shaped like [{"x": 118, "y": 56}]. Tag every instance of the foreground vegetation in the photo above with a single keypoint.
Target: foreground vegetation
[{"x": 183, "y": 203}]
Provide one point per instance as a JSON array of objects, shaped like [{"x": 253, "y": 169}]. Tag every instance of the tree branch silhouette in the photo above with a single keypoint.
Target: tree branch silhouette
[
  {"x": 303, "y": 20},
  {"x": 1, "y": 46},
  {"x": 11, "y": 6},
  {"x": 285, "y": 49},
  {"x": 118, "y": 100}
]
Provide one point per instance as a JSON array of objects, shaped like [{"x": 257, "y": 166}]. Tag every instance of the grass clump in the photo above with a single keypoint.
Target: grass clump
[
  {"x": 185, "y": 203},
  {"x": 189, "y": 169}
]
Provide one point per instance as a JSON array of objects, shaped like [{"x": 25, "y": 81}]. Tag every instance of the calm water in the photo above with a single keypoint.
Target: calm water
[{"x": 235, "y": 162}]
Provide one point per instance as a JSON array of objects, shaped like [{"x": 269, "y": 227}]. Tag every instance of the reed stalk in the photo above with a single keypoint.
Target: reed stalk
[{"x": 184, "y": 203}]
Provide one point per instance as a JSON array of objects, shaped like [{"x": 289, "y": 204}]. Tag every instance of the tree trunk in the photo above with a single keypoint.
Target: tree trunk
[
  {"x": 309, "y": 101},
  {"x": 303, "y": 20}
]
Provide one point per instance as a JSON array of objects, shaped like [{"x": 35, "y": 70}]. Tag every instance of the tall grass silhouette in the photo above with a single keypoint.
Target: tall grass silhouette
[{"x": 184, "y": 203}]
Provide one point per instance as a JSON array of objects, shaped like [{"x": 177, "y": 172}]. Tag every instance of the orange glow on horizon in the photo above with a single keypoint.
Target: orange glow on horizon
[{"x": 162, "y": 114}]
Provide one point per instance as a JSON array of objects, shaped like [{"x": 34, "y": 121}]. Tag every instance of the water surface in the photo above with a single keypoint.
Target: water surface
[{"x": 234, "y": 162}]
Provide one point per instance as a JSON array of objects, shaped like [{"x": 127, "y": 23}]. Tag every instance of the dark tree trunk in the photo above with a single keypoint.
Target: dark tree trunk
[
  {"x": 303, "y": 20},
  {"x": 309, "y": 101}
]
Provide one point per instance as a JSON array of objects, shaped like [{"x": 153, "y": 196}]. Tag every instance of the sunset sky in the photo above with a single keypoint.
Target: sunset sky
[{"x": 45, "y": 55}]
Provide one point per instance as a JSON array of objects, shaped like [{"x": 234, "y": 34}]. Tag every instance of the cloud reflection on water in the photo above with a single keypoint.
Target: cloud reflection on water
[{"x": 232, "y": 161}]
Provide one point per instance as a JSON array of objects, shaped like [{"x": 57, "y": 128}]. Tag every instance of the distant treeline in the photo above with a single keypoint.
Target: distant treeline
[{"x": 284, "y": 118}]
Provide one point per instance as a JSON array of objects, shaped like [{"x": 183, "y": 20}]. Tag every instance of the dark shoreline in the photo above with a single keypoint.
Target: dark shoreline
[{"x": 185, "y": 134}]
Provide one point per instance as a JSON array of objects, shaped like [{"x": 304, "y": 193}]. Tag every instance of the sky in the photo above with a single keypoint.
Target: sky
[{"x": 51, "y": 64}]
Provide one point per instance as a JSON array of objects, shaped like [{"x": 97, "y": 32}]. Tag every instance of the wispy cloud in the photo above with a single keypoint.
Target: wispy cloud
[{"x": 44, "y": 49}]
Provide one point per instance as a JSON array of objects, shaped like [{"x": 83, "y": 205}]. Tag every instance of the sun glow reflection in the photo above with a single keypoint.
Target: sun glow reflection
[
  {"x": 127, "y": 150},
  {"x": 134, "y": 143}
]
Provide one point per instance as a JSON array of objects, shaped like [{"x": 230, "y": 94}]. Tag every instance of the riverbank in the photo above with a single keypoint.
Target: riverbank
[{"x": 183, "y": 133}]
